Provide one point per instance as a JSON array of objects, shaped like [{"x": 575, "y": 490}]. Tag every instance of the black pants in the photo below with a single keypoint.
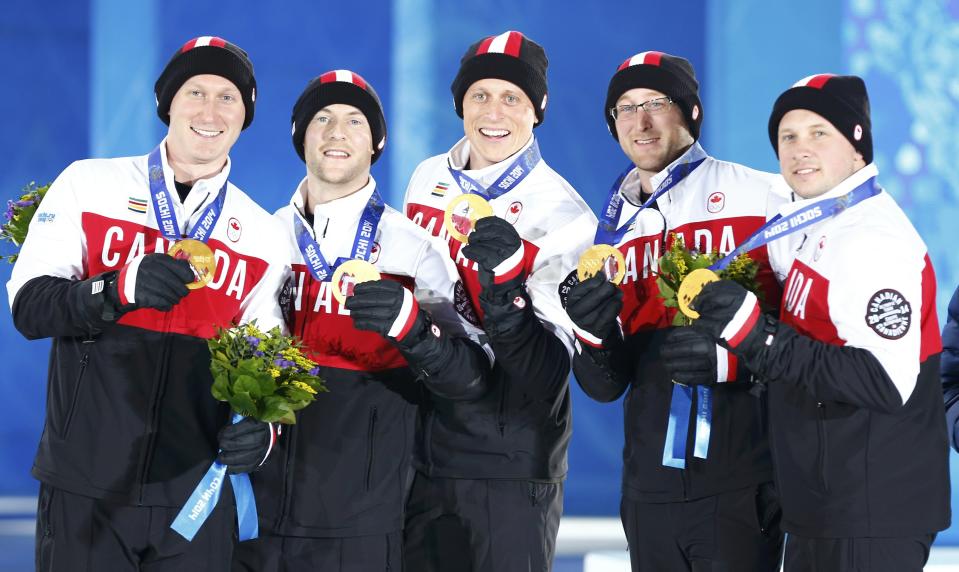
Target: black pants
[
  {"x": 82, "y": 534},
  {"x": 857, "y": 554},
  {"x": 295, "y": 554},
  {"x": 730, "y": 532},
  {"x": 465, "y": 525}
]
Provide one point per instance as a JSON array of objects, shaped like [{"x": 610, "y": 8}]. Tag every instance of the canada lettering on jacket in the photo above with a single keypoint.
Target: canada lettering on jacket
[
  {"x": 703, "y": 239},
  {"x": 797, "y": 293},
  {"x": 112, "y": 257},
  {"x": 324, "y": 302},
  {"x": 650, "y": 261},
  {"x": 431, "y": 225}
]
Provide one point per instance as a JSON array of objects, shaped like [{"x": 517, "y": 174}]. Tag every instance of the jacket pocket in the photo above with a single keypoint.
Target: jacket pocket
[
  {"x": 77, "y": 387},
  {"x": 370, "y": 447},
  {"x": 823, "y": 456}
]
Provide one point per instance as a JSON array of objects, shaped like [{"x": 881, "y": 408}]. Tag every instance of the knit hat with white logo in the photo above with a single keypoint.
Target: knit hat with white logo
[
  {"x": 510, "y": 56},
  {"x": 206, "y": 55},
  {"x": 339, "y": 86},
  {"x": 840, "y": 99},
  {"x": 672, "y": 76}
]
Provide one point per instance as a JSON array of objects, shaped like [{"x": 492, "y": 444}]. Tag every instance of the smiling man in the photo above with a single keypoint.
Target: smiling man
[
  {"x": 705, "y": 511},
  {"x": 335, "y": 503},
  {"x": 131, "y": 426},
  {"x": 488, "y": 491},
  {"x": 856, "y": 417}
]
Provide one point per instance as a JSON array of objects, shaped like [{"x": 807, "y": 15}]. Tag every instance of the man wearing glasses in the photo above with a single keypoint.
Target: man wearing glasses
[{"x": 712, "y": 506}]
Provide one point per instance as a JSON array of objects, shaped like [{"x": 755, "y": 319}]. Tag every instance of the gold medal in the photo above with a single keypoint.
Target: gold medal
[
  {"x": 691, "y": 286},
  {"x": 201, "y": 260},
  {"x": 462, "y": 214},
  {"x": 602, "y": 258},
  {"x": 348, "y": 275}
]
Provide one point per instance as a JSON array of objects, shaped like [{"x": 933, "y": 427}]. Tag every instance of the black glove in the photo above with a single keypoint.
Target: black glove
[
  {"x": 159, "y": 282},
  {"x": 730, "y": 313},
  {"x": 593, "y": 306},
  {"x": 244, "y": 446},
  {"x": 493, "y": 242},
  {"x": 689, "y": 356},
  {"x": 376, "y": 306}
]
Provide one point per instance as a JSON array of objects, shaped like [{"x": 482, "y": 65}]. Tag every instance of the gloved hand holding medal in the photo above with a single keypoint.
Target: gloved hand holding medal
[{"x": 201, "y": 260}]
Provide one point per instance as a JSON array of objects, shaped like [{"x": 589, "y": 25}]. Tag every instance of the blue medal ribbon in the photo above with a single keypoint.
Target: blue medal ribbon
[
  {"x": 166, "y": 213},
  {"x": 362, "y": 242},
  {"x": 514, "y": 174},
  {"x": 674, "y": 451},
  {"x": 206, "y": 495},
  {"x": 609, "y": 230}
]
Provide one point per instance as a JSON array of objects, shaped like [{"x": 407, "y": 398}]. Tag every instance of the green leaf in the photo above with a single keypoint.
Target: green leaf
[
  {"x": 221, "y": 387},
  {"x": 243, "y": 404}
]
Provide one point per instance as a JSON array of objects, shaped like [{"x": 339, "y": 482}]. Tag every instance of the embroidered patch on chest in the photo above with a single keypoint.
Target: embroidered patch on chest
[
  {"x": 889, "y": 314},
  {"x": 513, "y": 212},
  {"x": 715, "y": 202}
]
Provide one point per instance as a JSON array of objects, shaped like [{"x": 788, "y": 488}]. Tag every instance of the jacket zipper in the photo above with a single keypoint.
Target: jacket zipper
[
  {"x": 287, "y": 497},
  {"x": 158, "y": 387},
  {"x": 822, "y": 461},
  {"x": 501, "y": 418},
  {"x": 76, "y": 393},
  {"x": 371, "y": 445}
]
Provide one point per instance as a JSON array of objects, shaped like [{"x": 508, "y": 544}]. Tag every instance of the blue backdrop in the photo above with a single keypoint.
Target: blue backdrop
[{"x": 80, "y": 75}]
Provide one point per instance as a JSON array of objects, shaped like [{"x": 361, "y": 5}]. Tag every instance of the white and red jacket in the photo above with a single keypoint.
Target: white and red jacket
[
  {"x": 717, "y": 206},
  {"x": 130, "y": 416},
  {"x": 343, "y": 468},
  {"x": 520, "y": 428},
  {"x": 857, "y": 420}
]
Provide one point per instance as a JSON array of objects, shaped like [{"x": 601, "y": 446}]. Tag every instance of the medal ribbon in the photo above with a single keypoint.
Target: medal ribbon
[
  {"x": 166, "y": 213},
  {"x": 606, "y": 230},
  {"x": 674, "y": 451},
  {"x": 207, "y": 493},
  {"x": 514, "y": 174},
  {"x": 362, "y": 242}
]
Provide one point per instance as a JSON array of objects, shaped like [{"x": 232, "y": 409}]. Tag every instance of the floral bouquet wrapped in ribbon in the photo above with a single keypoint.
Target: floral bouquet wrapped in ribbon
[
  {"x": 678, "y": 262},
  {"x": 19, "y": 214},
  {"x": 264, "y": 376}
]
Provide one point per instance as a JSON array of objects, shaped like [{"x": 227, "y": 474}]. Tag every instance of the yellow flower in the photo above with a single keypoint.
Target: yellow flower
[
  {"x": 305, "y": 387},
  {"x": 274, "y": 372}
]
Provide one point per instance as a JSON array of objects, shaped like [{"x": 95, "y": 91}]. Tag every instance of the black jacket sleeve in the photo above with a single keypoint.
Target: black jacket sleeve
[
  {"x": 950, "y": 368},
  {"x": 842, "y": 374},
  {"x": 602, "y": 373},
  {"x": 454, "y": 368},
  {"x": 49, "y": 306}
]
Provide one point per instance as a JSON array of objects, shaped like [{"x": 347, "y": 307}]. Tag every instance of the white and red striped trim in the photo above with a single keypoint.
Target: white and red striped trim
[
  {"x": 405, "y": 319},
  {"x": 345, "y": 76},
  {"x": 506, "y": 43},
  {"x": 587, "y": 338},
  {"x": 743, "y": 321},
  {"x": 203, "y": 41},
  {"x": 817, "y": 81},
  {"x": 726, "y": 365},
  {"x": 274, "y": 433},
  {"x": 511, "y": 267},
  {"x": 642, "y": 58},
  {"x": 127, "y": 281}
]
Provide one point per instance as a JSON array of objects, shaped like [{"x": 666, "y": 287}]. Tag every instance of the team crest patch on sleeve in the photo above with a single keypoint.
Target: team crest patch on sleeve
[
  {"x": 234, "y": 230},
  {"x": 889, "y": 314},
  {"x": 513, "y": 212},
  {"x": 374, "y": 253}
]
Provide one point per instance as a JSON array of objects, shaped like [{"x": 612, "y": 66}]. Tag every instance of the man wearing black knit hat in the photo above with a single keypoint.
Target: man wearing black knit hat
[
  {"x": 697, "y": 491},
  {"x": 335, "y": 503},
  {"x": 852, "y": 362},
  {"x": 489, "y": 481},
  {"x": 131, "y": 425}
]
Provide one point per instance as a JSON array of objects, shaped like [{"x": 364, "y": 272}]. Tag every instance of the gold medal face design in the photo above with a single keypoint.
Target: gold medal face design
[
  {"x": 691, "y": 286},
  {"x": 348, "y": 275},
  {"x": 602, "y": 258},
  {"x": 201, "y": 260},
  {"x": 462, "y": 214}
]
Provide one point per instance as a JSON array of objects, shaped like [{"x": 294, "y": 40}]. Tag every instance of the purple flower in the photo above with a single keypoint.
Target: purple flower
[
  {"x": 258, "y": 353},
  {"x": 253, "y": 341},
  {"x": 280, "y": 362},
  {"x": 9, "y": 213},
  {"x": 23, "y": 204},
  {"x": 315, "y": 371}
]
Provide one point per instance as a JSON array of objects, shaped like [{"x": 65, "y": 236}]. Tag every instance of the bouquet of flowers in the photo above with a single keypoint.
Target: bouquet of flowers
[
  {"x": 262, "y": 375},
  {"x": 19, "y": 214},
  {"x": 678, "y": 261}
]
